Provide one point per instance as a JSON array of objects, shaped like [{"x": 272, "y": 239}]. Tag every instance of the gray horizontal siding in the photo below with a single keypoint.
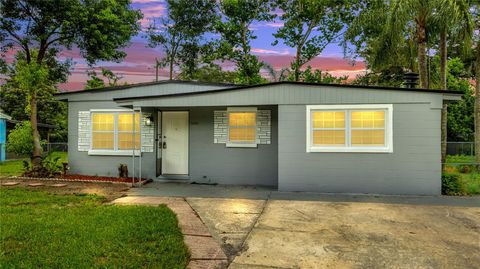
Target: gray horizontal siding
[
  {"x": 412, "y": 168},
  {"x": 219, "y": 164},
  {"x": 82, "y": 163},
  {"x": 292, "y": 94},
  {"x": 207, "y": 161}
]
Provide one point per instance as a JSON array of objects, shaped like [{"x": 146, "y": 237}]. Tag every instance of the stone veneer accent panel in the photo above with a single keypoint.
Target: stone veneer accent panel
[
  {"x": 220, "y": 131},
  {"x": 264, "y": 127},
  {"x": 84, "y": 130},
  {"x": 84, "y": 133}
]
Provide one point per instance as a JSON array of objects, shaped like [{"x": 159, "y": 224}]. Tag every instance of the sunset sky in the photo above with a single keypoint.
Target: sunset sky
[{"x": 138, "y": 65}]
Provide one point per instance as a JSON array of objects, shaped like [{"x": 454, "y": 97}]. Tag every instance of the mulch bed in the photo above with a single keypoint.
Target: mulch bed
[{"x": 85, "y": 178}]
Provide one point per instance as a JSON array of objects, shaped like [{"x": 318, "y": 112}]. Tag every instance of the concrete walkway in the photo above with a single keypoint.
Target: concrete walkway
[{"x": 205, "y": 252}]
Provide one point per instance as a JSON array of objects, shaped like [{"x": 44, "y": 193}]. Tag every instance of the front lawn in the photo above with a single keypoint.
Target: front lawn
[
  {"x": 42, "y": 230},
  {"x": 15, "y": 167}
]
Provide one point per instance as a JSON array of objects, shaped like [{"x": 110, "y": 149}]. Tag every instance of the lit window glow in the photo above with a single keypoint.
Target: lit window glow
[
  {"x": 242, "y": 127},
  {"x": 115, "y": 131},
  {"x": 361, "y": 128}
]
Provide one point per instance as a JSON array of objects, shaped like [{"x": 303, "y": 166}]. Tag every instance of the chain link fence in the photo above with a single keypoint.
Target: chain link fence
[
  {"x": 461, "y": 148},
  {"x": 47, "y": 147},
  {"x": 461, "y": 153}
]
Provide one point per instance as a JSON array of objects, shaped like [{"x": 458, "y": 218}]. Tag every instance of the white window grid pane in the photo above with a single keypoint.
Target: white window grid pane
[
  {"x": 327, "y": 129},
  {"x": 115, "y": 129},
  {"x": 369, "y": 128},
  {"x": 348, "y": 128},
  {"x": 241, "y": 127}
]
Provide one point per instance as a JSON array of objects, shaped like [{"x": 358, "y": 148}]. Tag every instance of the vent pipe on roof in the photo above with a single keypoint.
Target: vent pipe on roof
[{"x": 411, "y": 80}]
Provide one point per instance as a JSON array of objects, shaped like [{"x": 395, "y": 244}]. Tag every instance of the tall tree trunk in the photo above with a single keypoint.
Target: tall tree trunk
[
  {"x": 422, "y": 53},
  {"x": 37, "y": 148},
  {"x": 296, "y": 64},
  {"x": 477, "y": 108},
  {"x": 171, "y": 70},
  {"x": 443, "y": 86}
]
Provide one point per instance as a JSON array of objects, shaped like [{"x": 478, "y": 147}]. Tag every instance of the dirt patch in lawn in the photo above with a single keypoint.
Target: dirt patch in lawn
[{"x": 108, "y": 190}]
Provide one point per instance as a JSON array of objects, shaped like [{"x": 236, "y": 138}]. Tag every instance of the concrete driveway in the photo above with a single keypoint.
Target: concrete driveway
[
  {"x": 267, "y": 229},
  {"x": 306, "y": 234}
]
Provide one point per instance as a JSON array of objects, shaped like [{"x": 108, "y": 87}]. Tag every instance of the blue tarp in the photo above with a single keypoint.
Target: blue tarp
[{"x": 3, "y": 138}]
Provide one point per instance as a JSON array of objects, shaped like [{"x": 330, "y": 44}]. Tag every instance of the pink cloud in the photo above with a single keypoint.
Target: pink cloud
[
  {"x": 147, "y": 1},
  {"x": 266, "y": 51},
  {"x": 154, "y": 11}
]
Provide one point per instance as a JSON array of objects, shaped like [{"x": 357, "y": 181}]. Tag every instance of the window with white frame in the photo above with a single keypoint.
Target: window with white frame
[
  {"x": 242, "y": 127},
  {"x": 349, "y": 128},
  {"x": 115, "y": 131}
]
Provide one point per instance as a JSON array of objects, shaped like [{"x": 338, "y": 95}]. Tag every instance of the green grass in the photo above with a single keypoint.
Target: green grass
[
  {"x": 460, "y": 159},
  {"x": 42, "y": 230},
  {"x": 15, "y": 167},
  {"x": 470, "y": 180}
]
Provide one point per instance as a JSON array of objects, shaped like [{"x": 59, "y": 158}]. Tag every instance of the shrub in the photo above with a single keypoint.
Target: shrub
[
  {"x": 20, "y": 139},
  {"x": 452, "y": 185},
  {"x": 466, "y": 168},
  {"x": 51, "y": 167}
]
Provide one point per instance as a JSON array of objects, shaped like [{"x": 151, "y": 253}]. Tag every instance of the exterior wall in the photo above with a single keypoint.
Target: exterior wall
[
  {"x": 208, "y": 162},
  {"x": 219, "y": 164},
  {"x": 413, "y": 167},
  {"x": 82, "y": 163}
]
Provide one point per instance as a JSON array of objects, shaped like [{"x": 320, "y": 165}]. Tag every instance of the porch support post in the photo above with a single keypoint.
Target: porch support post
[
  {"x": 140, "y": 148},
  {"x": 133, "y": 148}
]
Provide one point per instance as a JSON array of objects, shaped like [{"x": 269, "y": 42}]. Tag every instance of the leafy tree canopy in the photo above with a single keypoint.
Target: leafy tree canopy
[
  {"x": 180, "y": 34},
  {"x": 236, "y": 35},
  {"x": 211, "y": 73},
  {"x": 309, "y": 26},
  {"x": 98, "y": 28},
  {"x": 95, "y": 81}
]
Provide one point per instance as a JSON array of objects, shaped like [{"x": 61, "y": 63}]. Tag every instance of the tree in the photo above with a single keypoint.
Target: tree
[
  {"x": 180, "y": 33},
  {"x": 398, "y": 22},
  {"x": 476, "y": 18},
  {"x": 210, "y": 73},
  {"x": 309, "y": 26},
  {"x": 236, "y": 35},
  {"x": 386, "y": 55},
  {"x": 460, "y": 114},
  {"x": 20, "y": 140},
  {"x": 15, "y": 101},
  {"x": 98, "y": 28},
  {"x": 391, "y": 77},
  {"x": 96, "y": 82},
  {"x": 452, "y": 18}
]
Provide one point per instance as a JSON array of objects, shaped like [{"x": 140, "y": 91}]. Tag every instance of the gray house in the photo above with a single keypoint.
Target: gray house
[{"x": 294, "y": 136}]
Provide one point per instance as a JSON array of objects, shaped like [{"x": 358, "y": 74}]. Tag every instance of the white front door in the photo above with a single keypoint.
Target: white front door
[{"x": 175, "y": 142}]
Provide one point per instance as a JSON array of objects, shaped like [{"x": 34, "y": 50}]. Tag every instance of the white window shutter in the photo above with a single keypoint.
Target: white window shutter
[{"x": 84, "y": 134}]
